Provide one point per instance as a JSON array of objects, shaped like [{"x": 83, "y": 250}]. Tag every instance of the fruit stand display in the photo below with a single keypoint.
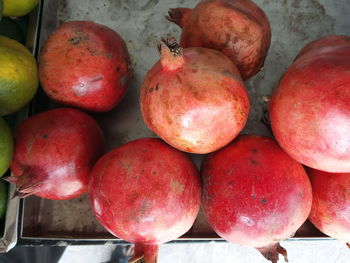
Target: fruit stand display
[
  {"x": 197, "y": 80},
  {"x": 17, "y": 31}
]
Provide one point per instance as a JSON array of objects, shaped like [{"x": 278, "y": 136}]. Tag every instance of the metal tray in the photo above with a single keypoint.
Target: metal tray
[
  {"x": 9, "y": 238},
  {"x": 141, "y": 23}
]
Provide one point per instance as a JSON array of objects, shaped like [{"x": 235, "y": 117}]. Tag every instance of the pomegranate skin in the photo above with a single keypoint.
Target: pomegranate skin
[
  {"x": 85, "y": 65},
  {"x": 254, "y": 194},
  {"x": 310, "y": 110},
  {"x": 327, "y": 41},
  {"x": 54, "y": 154},
  {"x": 237, "y": 28},
  {"x": 330, "y": 211},
  {"x": 195, "y": 101},
  {"x": 157, "y": 189}
]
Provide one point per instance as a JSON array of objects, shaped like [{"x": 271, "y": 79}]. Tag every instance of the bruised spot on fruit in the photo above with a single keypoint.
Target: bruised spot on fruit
[
  {"x": 253, "y": 196},
  {"x": 230, "y": 183},
  {"x": 264, "y": 201},
  {"x": 45, "y": 136},
  {"x": 254, "y": 162},
  {"x": 126, "y": 166},
  {"x": 254, "y": 150},
  {"x": 176, "y": 187},
  {"x": 178, "y": 78},
  {"x": 80, "y": 37},
  {"x": 169, "y": 120},
  {"x": 118, "y": 69},
  {"x": 96, "y": 79}
]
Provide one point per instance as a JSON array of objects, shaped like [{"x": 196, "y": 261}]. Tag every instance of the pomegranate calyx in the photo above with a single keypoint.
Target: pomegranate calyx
[
  {"x": 145, "y": 253},
  {"x": 10, "y": 179},
  {"x": 138, "y": 259},
  {"x": 272, "y": 252},
  {"x": 26, "y": 185},
  {"x": 171, "y": 54},
  {"x": 178, "y": 16}
]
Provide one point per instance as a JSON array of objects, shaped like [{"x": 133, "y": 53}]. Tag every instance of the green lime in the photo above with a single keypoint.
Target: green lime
[
  {"x": 6, "y": 146},
  {"x": 3, "y": 197},
  {"x": 18, "y": 7},
  {"x": 11, "y": 29},
  {"x": 18, "y": 76}
]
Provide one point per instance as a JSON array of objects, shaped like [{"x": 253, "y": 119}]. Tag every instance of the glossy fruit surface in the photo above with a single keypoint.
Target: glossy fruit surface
[
  {"x": 194, "y": 99},
  {"x": 330, "y": 211},
  {"x": 309, "y": 110},
  {"x": 18, "y": 76},
  {"x": 145, "y": 192},
  {"x": 254, "y": 194},
  {"x": 54, "y": 154}
]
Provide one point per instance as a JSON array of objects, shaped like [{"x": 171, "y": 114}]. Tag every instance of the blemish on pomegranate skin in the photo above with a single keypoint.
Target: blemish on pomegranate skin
[
  {"x": 45, "y": 136},
  {"x": 254, "y": 162},
  {"x": 263, "y": 201},
  {"x": 178, "y": 78},
  {"x": 177, "y": 187}
]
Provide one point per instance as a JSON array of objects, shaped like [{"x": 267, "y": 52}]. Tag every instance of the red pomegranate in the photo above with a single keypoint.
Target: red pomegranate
[
  {"x": 330, "y": 211},
  {"x": 255, "y": 195},
  {"x": 194, "y": 99},
  {"x": 310, "y": 110},
  {"x": 327, "y": 41},
  {"x": 85, "y": 65},
  {"x": 147, "y": 193},
  {"x": 54, "y": 153},
  {"x": 237, "y": 28}
]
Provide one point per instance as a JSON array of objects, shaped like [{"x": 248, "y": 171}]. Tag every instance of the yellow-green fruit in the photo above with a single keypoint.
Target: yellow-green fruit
[
  {"x": 18, "y": 7},
  {"x": 6, "y": 146},
  {"x": 18, "y": 76}
]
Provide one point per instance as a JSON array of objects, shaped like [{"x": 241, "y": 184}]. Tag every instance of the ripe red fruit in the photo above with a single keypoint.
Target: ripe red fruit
[
  {"x": 327, "y": 41},
  {"x": 85, "y": 65},
  {"x": 255, "y": 195},
  {"x": 330, "y": 211},
  {"x": 145, "y": 192},
  {"x": 54, "y": 153},
  {"x": 310, "y": 110},
  {"x": 237, "y": 28},
  {"x": 194, "y": 99}
]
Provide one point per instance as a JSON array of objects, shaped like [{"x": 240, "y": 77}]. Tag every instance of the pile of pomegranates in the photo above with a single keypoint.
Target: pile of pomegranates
[{"x": 148, "y": 191}]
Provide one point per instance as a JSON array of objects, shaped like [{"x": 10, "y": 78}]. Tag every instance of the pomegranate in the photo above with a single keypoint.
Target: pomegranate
[
  {"x": 310, "y": 110},
  {"x": 237, "y": 28},
  {"x": 330, "y": 211},
  {"x": 255, "y": 195},
  {"x": 327, "y": 41},
  {"x": 194, "y": 98},
  {"x": 147, "y": 193},
  {"x": 85, "y": 65},
  {"x": 54, "y": 153}
]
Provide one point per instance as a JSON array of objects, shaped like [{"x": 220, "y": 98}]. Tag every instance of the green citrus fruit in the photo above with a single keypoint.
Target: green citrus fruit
[
  {"x": 3, "y": 198},
  {"x": 6, "y": 146},
  {"x": 18, "y": 76},
  {"x": 18, "y": 7}
]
